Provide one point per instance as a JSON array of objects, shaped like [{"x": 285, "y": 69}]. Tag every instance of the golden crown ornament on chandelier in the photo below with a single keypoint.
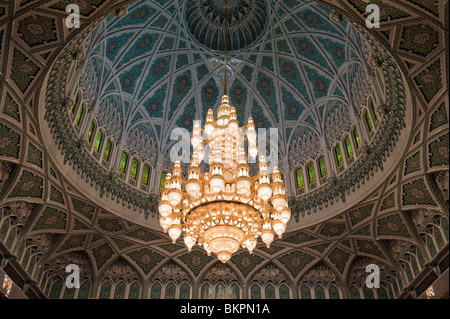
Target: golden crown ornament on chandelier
[{"x": 225, "y": 208}]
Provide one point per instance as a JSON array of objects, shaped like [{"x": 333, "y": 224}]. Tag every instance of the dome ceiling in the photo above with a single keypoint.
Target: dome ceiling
[{"x": 146, "y": 72}]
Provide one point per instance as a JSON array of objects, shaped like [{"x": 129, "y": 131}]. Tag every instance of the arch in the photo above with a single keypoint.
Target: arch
[
  {"x": 80, "y": 115},
  {"x": 338, "y": 156},
  {"x": 234, "y": 291},
  {"x": 134, "y": 171},
  {"x": 146, "y": 170},
  {"x": 373, "y": 109},
  {"x": 356, "y": 138},
  {"x": 322, "y": 166},
  {"x": 84, "y": 291},
  {"x": 284, "y": 292},
  {"x": 119, "y": 290},
  {"x": 206, "y": 291},
  {"x": 354, "y": 292},
  {"x": 185, "y": 291},
  {"x": 255, "y": 291},
  {"x": 305, "y": 292},
  {"x": 155, "y": 291},
  {"x": 98, "y": 142},
  {"x": 319, "y": 292},
  {"x": 56, "y": 288},
  {"x": 269, "y": 291},
  {"x": 333, "y": 292},
  {"x": 162, "y": 180},
  {"x": 135, "y": 290},
  {"x": 91, "y": 131},
  {"x": 123, "y": 162},
  {"x": 105, "y": 290},
  {"x": 170, "y": 290},
  {"x": 108, "y": 150},
  {"x": 76, "y": 103},
  {"x": 368, "y": 122},
  {"x": 348, "y": 147},
  {"x": 311, "y": 173},
  {"x": 299, "y": 178}
]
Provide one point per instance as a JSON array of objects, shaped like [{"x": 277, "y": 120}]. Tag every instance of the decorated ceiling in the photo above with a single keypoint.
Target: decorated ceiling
[
  {"x": 47, "y": 223},
  {"x": 149, "y": 71}
]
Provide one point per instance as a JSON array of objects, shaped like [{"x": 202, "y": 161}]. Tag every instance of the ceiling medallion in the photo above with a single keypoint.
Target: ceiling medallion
[
  {"x": 224, "y": 208},
  {"x": 246, "y": 20}
]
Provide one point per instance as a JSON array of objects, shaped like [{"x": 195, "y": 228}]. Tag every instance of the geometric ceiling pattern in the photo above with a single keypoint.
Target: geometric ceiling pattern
[
  {"x": 149, "y": 69},
  {"x": 402, "y": 225}
]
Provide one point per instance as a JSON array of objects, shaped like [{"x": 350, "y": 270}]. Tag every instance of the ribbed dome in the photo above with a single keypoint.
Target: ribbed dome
[{"x": 206, "y": 22}]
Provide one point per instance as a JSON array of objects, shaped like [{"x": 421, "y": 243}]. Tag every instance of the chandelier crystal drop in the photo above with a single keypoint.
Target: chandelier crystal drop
[{"x": 224, "y": 208}]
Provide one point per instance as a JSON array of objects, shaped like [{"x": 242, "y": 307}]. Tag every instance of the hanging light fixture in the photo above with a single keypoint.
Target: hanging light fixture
[{"x": 224, "y": 208}]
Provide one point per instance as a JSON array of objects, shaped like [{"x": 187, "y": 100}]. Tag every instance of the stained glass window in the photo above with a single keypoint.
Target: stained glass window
[
  {"x": 134, "y": 169},
  {"x": 170, "y": 291},
  {"x": 91, "y": 131},
  {"x": 77, "y": 102},
  {"x": 319, "y": 292},
  {"x": 163, "y": 179},
  {"x": 311, "y": 173},
  {"x": 368, "y": 122},
  {"x": 108, "y": 150},
  {"x": 123, "y": 162},
  {"x": 374, "y": 110},
  {"x": 299, "y": 176},
  {"x": 145, "y": 175},
  {"x": 269, "y": 292},
  {"x": 284, "y": 292},
  {"x": 98, "y": 141},
  {"x": 80, "y": 115},
  {"x": 348, "y": 147},
  {"x": 185, "y": 291},
  {"x": 155, "y": 292},
  {"x": 255, "y": 292},
  {"x": 339, "y": 158},
  {"x": 322, "y": 167},
  {"x": 205, "y": 291},
  {"x": 356, "y": 137}
]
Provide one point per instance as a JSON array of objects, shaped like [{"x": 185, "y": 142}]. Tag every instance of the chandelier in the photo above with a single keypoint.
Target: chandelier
[{"x": 224, "y": 208}]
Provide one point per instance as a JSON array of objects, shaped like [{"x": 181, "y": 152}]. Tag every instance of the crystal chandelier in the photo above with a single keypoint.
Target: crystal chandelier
[{"x": 224, "y": 208}]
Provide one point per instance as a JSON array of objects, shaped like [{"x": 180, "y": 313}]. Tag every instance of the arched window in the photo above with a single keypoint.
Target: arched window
[
  {"x": 134, "y": 169},
  {"x": 299, "y": 177},
  {"x": 284, "y": 292},
  {"x": 311, "y": 173},
  {"x": 77, "y": 102},
  {"x": 119, "y": 292},
  {"x": 155, "y": 292},
  {"x": 145, "y": 175},
  {"x": 123, "y": 162},
  {"x": 206, "y": 292},
  {"x": 163, "y": 179},
  {"x": 91, "y": 131},
  {"x": 348, "y": 147},
  {"x": 338, "y": 153},
  {"x": 368, "y": 122},
  {"x": 185, "y": 291},
  {"x": 269, "y": 292},
  {"x": 322, "y": 166},
  {"x": 356, "y": 137},
  {"x": 255, "y": 291},
  {"x": 170, "y": 291},
  {"x": 80, "y": 115},
  {"x": 373, "y": 109},
  {"x": 98, "y": 142},
  {"x": 319, "y": 292},
  {"x": 108, "y": 151}
]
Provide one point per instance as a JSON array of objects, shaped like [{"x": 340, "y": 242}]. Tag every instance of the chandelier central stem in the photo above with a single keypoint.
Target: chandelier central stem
[{"x": 226, "y": 49}]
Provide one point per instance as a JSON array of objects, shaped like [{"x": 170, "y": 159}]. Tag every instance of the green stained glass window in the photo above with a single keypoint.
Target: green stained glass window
[
  {"x": 80, "y": 115},
  {"x": 299, "y": 176},
  {"x": 145, "y": 175},
  {"x": 108, "y": 150},
  {"x": 163, "y": 179},
  {"x": 77, "y": 102},
  {"x": 322, "y": 167},
  {"x": 356, "y": 137},
  {"x": 368, "y": 122},
  {"x": 311, "y": 173},
  {"x": 91, "y": 131},
  {"x": 123, "y": 162},
  {"x": 348, "y": 147},
  {"x": 338, "y": 153},
  {"x": 98, "y": 141},
  {"x": 134, "y": 169},
  {"x": 373, "y": 109}
]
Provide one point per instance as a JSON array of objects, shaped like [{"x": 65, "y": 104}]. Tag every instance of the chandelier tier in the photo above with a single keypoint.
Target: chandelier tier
[{"x": 224, "y": 208}]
